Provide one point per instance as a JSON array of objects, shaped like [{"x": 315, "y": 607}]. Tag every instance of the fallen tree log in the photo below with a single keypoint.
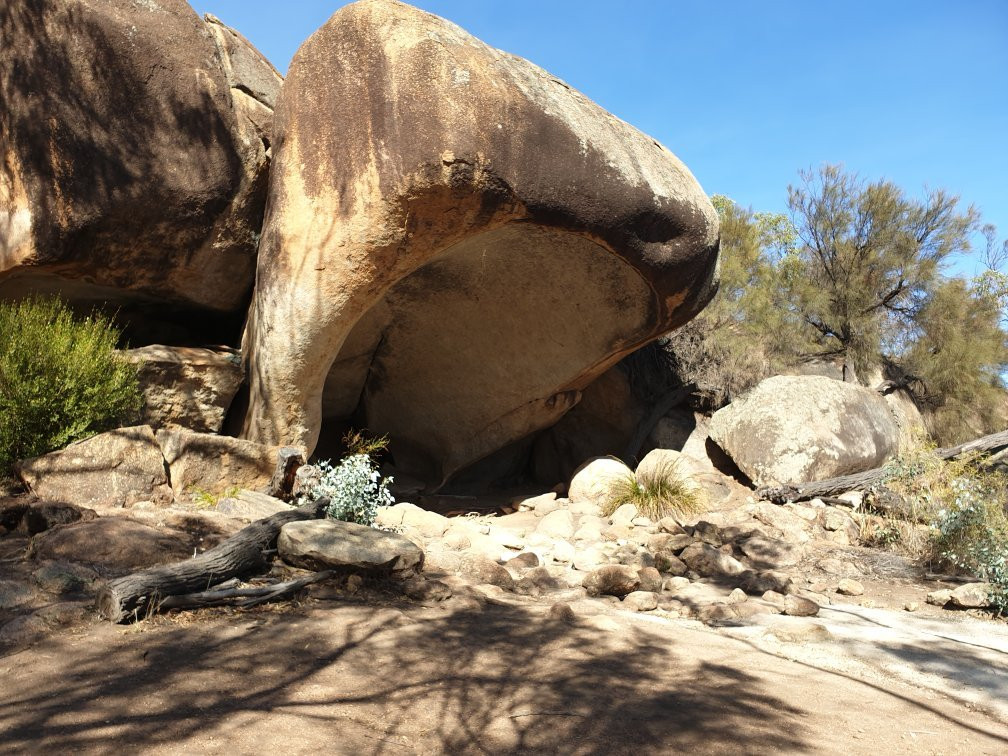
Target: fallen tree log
[
  {"x": 984, "y": 446},
  {"x": 136, "y": 596}
]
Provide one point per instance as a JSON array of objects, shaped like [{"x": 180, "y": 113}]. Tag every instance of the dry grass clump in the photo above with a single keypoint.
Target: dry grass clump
[{"x": 659, "y": 492}]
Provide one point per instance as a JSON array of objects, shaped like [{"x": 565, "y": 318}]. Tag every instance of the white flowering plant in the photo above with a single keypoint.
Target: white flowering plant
[{"x": 355, "y": 489}]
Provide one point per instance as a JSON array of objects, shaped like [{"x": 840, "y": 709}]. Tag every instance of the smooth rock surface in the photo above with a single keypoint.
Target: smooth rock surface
[
  {"x": 206, "y": 462},
  {"x": 461, "y": 280},
  {"x": 113, "y": 543},
  {"x": 708, "y": 561},
  {"x": 971, "y": 596},
  {"x": 320, "y": 544}
]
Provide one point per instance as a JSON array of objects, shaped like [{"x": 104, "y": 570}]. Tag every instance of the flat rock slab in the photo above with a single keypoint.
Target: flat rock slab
[
  {"x": 319, "y": 544},
  {"x": 252, "y": 505},
  {"x": 113, "y": 469},
  {"x": 112, "y": 542}
]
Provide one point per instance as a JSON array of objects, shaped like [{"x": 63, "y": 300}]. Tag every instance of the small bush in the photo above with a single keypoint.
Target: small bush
[
  {"x": 60, "y": 379},
  {"x": 962, "y": 503},
  {"x": 660, "y": 492},
  {"x": 358, "y": 443},
  {"x": 972, "y": 535},
  {"x": 355, "y": 489}
]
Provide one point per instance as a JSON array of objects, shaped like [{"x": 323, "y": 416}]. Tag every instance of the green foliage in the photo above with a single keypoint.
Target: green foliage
[
  {"x": 867, "y": 258},
  {"x": 963, "y": 502},
  {"x": 208, "y": 500},
  {"x": 959, "y": 353},
  {"x": 857, "y": 277},
  {"x": 658, "y": 493},
  {"x": 740, "y": 337},
  {"x": 60, "y": 379},
  {"x": 971, "y": 534}
]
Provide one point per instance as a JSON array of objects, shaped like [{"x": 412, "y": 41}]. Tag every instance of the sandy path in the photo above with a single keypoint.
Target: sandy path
[{"x": 350, "y": 678}]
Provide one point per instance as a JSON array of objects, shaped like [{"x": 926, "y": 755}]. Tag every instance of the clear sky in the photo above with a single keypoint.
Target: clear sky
[{"x": 748, "y": 93}]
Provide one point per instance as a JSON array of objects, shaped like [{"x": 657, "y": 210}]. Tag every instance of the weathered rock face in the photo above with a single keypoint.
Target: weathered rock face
[
  {"x": 113, "y": 469},
  {"x": 115, "y": 543},
  {"x": 206, "y": 462},
  {"x": 456, "y": 244},
  {"x": 186, "y": 386},
  {"x": 793, "y": 429},
  {"x": 132, "y": 169}
]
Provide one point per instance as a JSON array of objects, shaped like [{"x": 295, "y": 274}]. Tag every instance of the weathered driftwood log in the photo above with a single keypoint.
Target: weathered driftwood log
[
  {"x": 984, "y": 446},
  {"x": 140, "y": 594}
]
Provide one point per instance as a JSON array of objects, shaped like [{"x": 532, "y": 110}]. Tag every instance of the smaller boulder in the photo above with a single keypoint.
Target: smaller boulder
[
  {"x": 758, "y": 583},
  {"x": 593, "y": 480},
  {"x": 770, "y": 553},
  {"x": 523, "y": 561},
  {"x": 484, "y": 571},
  {"x": 252, "y": 505},
  {"x": 971, "y": 596},
  {"x": 41, "y": 516},
  {"x": 799, "y": 632},
  {"x": 114, "y": 543},
  {"x": 536, "y": 582},
  {"x": 411, "y": 517},
  {"x": 587, "y": 560},
  {"x": 113, "y": 469},
  {"x": 708, "y": 561},
  {"x": 650, "y": 579},
  {"x": 321, "y": 544},
  {"x": 64, "y": 577},
  {"x": 206, "y": 462},
  {"x": 186, "y": 386},
  {"x": 849, "y": 587},
  {"x": 797, "y": 606},
  {"x": 612, "y": 580},
  {"x": 641, "y": 601},
  {"x": 940, "y": 597},
  {"x": 14, "y": 594},
  {"x": 624, "y": 515},
  {"x": 557, "y": 524}
]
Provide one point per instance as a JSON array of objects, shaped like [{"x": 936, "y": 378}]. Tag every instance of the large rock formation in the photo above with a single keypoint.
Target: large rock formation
[
  {"x": 457, "y": 243},
  {"x": 794, "y": 429},
  {"x": 133, "y": 157}
]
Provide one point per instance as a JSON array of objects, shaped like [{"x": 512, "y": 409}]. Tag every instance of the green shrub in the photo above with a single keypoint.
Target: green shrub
[
  {"x": 963, "y": 502},
  {"x": 659, "y": 492},
  {"x": 60, "y": 379},
  {"x": 972, "y": 535}
]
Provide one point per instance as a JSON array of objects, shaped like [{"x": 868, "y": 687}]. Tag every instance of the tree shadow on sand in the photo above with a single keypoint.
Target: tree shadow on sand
[{"x": 373, "y": 680}]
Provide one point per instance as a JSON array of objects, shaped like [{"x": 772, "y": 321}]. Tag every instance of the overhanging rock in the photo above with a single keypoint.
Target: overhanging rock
[{"x": 456, "y": 244}]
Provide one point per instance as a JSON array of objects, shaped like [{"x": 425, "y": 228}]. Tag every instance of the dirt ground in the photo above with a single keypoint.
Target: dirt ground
[{"x": 372, "y": 674}]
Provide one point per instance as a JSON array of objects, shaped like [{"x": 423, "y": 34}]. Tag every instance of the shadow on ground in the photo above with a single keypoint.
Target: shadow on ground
[{"x": 376, "y": 680}]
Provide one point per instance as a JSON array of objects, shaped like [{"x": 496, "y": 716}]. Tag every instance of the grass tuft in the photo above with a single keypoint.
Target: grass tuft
[{"x": 660, "y": 492}]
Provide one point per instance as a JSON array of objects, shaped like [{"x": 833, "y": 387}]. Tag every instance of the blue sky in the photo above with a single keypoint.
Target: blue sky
[{"x": 748, "y": 93}]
